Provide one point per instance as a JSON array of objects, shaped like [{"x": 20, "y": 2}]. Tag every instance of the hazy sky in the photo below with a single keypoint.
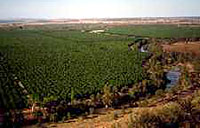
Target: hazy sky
[{"x": 97, "y": 8}]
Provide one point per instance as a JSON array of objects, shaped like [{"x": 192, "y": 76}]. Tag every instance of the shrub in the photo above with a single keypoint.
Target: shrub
[
  {"x": 107, "y": 97},
  {"x": 159, "y": 116},
  {"x": 115, "y": 115},
  {"x": 116, "y": 125},
  {"x": 68, "y": 115},
  {"x": 170, "y": 113},
  {"x": 159, "y": 92},
  {"x": 190, "y": 107}
]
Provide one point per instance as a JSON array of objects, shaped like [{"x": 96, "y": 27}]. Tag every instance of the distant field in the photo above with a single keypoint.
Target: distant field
[
  {"x": 163, "y": 31},
  {"x": 55, "y": 63}
]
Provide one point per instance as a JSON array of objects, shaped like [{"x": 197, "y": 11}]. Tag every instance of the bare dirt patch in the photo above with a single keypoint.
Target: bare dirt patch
[{"x": 181, "y": 47}]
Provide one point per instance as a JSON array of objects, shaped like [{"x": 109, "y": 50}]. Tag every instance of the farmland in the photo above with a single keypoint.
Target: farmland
[
  {"x": 69, "y": 68},
  {"x": 56, "y": 60},
  {"x": 158, "y": 31},
  {"x": 53, "y": 63}
]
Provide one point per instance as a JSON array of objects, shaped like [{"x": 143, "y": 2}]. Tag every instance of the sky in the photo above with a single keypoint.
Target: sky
[{"x": 53, "y": 9}]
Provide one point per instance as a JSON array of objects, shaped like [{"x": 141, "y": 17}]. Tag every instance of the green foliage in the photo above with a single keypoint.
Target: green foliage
[
  {"x": 49, "y": 99},
  {"x": 154, "y": 68},
  {"x": 163, "y": 31},
  {"x": 51, "y": 62},
  {"x": 72, "y": 95}
]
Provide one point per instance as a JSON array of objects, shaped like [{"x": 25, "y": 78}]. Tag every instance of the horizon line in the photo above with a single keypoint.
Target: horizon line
[{"x": 26, "y": 18}]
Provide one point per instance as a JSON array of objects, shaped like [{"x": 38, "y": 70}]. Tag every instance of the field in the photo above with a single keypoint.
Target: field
[
  {"x": 58, "y": 60},
  {"x": 159, "y": 31},
  {"x": 53, "y": 66},
  {"x": 56, "y": 63}
]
